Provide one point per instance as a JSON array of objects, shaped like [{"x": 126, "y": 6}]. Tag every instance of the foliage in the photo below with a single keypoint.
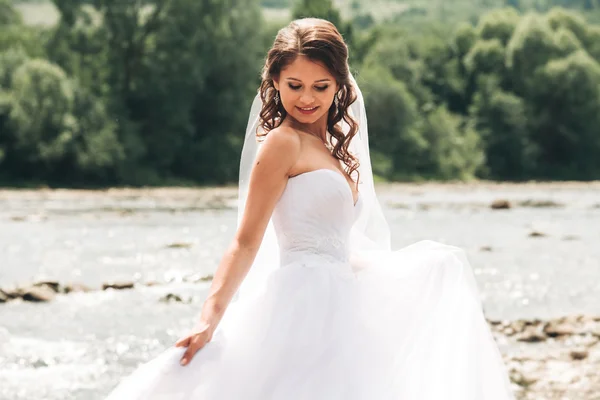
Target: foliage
[{"x": 157, "y": 91}]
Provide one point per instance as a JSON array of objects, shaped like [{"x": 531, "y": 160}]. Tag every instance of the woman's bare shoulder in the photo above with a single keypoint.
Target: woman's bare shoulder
[
  {"x": 284, "y": 136},
  {"x": 282, "y": 143}
]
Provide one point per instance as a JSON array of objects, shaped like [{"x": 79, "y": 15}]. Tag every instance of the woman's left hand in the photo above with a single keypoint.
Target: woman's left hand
[{"x": 201, "y": 334}]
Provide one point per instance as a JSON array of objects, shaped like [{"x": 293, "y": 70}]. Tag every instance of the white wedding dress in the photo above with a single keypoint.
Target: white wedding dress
[{"x": 409, "y": 328}]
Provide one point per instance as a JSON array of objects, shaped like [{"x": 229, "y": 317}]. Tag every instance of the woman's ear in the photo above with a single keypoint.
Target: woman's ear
[{"x": 276, "y": 83}]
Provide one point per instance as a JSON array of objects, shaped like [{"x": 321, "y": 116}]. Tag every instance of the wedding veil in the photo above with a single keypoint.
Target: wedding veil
[{"x": 370, "y": 231}]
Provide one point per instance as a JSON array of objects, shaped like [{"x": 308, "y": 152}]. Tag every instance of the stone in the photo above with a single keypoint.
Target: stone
[
  {"x": 537, "y": 234},
  {"x": 54, "y": 285},
  {"x": 179, "y": 245},
  {"x": 531, "y": 336},
  {"x": 118, "y": 285},
  {"x": 38, "y": 294},
  {"x": 76, "y": 287},
  {"x": 500, "y": 204},
  {"x": 579, "y": 354},
  {"x": 196, "y": 278},
  {"x": 561, "y": 329},
  {"x": 171, "y": 297}
]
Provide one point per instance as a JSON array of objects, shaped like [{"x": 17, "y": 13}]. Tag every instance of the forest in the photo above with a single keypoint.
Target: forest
[{"x": 102, "y": 93}]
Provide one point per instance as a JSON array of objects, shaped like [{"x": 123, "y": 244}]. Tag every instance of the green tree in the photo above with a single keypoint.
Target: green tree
[
  {"x": 486, "y": 57},
  {"x": 317, "y": 9},
  {"x": 10, "y": 61},
  {"x": 531, "y": 47},
  {"x": 464, "y": 38},
  {"x": 175, "y": 74},
  {"x": 565, "y": 99},
  {"x": 40, "y": 116},
  {"x": 594, "y": 42},
  {"x": 453, "y": 147},
  {"x": 60, "y": 132},
  {"x": 561, "y": 18},
  {"x": 498, "y": 24},
  {"x": 399, "y": 58},
  {"x": 501, "y": 120},
  {"x": 8, "y": 14},
  {"x": 396, "y": 144}
]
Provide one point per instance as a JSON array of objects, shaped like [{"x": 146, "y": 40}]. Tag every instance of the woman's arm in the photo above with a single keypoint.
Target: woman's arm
[{"x": 268, "y": 179}]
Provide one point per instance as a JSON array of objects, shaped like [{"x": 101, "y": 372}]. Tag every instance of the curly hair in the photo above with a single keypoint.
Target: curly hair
[{"x": 318, "y": 40}]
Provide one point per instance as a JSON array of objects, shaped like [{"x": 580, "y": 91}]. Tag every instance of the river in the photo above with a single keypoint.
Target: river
[{"x": 79, "y": 345}]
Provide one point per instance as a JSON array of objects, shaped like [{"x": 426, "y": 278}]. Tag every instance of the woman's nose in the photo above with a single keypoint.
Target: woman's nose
[{"x": 306, "y": 98}]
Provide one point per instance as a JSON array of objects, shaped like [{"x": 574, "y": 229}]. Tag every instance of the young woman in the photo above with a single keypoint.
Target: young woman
[{"x": 324, "y": 309}]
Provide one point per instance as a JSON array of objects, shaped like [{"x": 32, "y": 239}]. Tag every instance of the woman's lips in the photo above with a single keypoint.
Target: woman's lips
[{"x": 307, "y": 111}]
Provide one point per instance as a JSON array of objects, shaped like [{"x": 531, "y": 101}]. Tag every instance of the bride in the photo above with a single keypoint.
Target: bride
[{"x": 309, "y": 302}]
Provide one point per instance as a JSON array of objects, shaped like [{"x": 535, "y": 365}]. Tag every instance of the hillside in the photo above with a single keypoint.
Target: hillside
[{"x": 43, "y": 12}]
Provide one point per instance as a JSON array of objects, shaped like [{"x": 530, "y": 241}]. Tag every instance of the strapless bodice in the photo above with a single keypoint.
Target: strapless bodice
[{"x": 314, "y": 216}]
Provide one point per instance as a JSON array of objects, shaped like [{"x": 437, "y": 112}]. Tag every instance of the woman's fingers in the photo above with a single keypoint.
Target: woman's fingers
[
  {"x": 183, "y": 342},
  {"x": 195, "y": 344}
]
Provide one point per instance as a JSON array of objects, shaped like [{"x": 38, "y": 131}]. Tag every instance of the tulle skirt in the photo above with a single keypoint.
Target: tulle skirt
[{"x": 411, "y": 328}]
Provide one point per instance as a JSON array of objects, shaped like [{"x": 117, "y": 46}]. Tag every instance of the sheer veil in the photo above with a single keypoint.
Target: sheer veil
[{"x": 370, "y": 231}]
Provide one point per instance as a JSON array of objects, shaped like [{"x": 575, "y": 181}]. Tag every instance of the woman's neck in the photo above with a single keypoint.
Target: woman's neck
[{"x": 317, "y": 128}]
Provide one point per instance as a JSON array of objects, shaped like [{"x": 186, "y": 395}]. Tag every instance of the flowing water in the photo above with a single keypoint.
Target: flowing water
[{"x": 79, "y": 345}]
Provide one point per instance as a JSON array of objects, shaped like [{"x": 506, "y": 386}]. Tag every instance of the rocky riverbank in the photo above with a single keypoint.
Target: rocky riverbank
[
  {"x": 555, "y": 359},
  {"x": 47, "y": 290}
]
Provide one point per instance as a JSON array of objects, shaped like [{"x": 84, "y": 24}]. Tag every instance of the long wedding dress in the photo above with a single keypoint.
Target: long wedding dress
[
  {"x": 329, "y": 312},
  {"x": 410, "y": 327}
]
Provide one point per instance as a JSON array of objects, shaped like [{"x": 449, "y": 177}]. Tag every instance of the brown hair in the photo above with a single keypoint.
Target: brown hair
[{"x": 320, "y": 41}]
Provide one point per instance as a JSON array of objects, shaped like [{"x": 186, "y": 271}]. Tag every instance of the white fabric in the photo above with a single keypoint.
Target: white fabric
[{"x": 408, "y": 327}]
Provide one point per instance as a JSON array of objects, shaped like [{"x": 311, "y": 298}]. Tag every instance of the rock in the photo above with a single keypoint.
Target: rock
[
  {"x": 500, "y": 204},
  {"x": 561, "y": 329},
  {"x": 196, "y": 278},
  {"x": 76, "y": 287},
  {"x": 53, "y": 285},
  {"x": 531, "y": 336},
  {"x": 540, "y": 203},
  {"x": 486, "y": 248},
  {"x": 570, "y": 237},
  {"x": 522, "y": 379},
  {"x": 579, "y": 354},
  {"x": 536, "y": 234},
  {"x": 38, "y": 293},
  {"x": 3, "y": 297},
  {"x": 118, "y": 285},
  {"x": 171, "y": 297},
  {"x": 39, "y": 364},
  {"x": 179, "y": 245},
  {"x": 13, "y": 293}
]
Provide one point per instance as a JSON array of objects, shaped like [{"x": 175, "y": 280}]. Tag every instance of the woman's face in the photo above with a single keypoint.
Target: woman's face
[{"x": 306, "y": 89}]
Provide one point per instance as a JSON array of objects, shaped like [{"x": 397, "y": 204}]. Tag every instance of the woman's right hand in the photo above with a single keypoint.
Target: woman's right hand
[{"x": 197, "y": 339}]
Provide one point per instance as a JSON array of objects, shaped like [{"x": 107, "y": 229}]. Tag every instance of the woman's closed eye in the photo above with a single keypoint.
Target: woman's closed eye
[{"x": 319, "y": 88}]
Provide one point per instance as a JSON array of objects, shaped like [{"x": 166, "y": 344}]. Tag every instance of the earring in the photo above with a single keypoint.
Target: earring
[
  {"x": 336, "y": 100},
  {"x": 277, "y": 98}
]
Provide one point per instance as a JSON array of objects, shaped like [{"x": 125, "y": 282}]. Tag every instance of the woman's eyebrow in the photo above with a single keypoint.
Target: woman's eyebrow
[{"x": 320, "y": 80}]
